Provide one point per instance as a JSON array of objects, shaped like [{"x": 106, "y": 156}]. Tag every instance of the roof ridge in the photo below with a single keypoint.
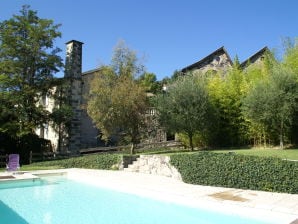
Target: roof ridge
[
  {"x": 222, "y": 48},
  {"x": 248, "y": 60},
  {"x": 91, "y": 71}
]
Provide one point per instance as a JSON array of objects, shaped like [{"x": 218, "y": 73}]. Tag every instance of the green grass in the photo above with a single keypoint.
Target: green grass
[
  {"x": 34, "y": 167},
  {"x": 290, "y": 154},
  {"x": 163, "y": 151}
]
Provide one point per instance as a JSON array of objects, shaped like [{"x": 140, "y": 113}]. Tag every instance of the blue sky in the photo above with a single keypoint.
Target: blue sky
[{"x": 169, "y": 34}]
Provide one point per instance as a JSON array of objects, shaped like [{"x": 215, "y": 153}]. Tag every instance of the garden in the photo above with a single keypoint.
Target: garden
[{"x": 256, "y": 169}]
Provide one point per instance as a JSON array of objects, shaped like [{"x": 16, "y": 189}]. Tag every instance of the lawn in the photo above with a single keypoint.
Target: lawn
[{"x": 290, "y": 154}]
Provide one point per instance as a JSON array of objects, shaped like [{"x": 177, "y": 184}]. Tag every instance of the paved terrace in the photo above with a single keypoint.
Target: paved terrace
[{"x": 275, "y": 208}]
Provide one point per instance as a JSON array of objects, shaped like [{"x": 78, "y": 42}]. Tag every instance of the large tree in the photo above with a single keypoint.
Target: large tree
[
  {"x": 117, "y": 103},
  {"x": 272, "y": 102},
  {"x": 290, "y": 60},
  {"x": 28, "y": 61},
  {"x": 184, "y": 107}
]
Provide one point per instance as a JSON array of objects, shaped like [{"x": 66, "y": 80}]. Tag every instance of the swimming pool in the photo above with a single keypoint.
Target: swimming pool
[{"x": 54, "y": 200}]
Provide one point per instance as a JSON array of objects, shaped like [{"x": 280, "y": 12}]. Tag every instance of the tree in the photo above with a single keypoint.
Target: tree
[
  {"x": 273, "y": 102},
  {"x": 62, "y": 113},
  {"x": 185, "y": 107},
  {"x": 117, "y": 103},
  {"x": 28, "y": 60},
  {"x": 149, "y": 82},
  {"x": 176, "y": 75},
  {"x": 125, "y": 61},
  {"x": 226, "y": 92},
  {"x": 291, "y": 56},
  {"x": 290, "y": 61}
]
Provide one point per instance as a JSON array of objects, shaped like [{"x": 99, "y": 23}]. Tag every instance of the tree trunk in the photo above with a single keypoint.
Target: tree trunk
[
  {"x": 190, "y": 142},
  {"x": 59, "y": 138},
  {"x": 132, "y": 148},
  {"x": 281, "y": 140},
  {"x": 265, "y": 146}
]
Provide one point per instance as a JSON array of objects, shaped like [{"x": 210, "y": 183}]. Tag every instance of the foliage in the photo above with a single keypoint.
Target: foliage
[
  {"x": 62, "y": 113},
  {"x": 238, "y": 171},
  {"x": 198, "y": 140},
  {"x": 23, "y": 145},
  {"x": 185, "y": 107},
  {"x": 291, "y": 55},
  {"x": 149, "y": 83},
  {"x": 28, "y": 61},
  {"x": 99, "y": 161},
  {"x": 226, "y": 92},
  {"x": 125, "y": 61},
  {"x": 117, "y": 103},
  {"x": 290, "y": 62},
  {"x": 273, "y": 102},
  {"x": 176, "y": 75}
]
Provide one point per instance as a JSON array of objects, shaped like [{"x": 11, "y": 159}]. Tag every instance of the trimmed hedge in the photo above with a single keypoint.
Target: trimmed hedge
[
  {"x": 99, "y": 161},
  {"x": 238, "y": 171}
]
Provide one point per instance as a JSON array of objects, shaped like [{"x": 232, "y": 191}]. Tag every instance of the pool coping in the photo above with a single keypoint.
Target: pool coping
[
  {"x": 276, "y": 208},
  {"x": 16, "y": 175}
]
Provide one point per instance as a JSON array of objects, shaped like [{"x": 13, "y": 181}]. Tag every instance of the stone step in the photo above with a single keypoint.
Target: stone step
[
  {"x": 153, "y": 164},
  {"x": 133, "y": 167},
  {"x": 128, "y": 170}
]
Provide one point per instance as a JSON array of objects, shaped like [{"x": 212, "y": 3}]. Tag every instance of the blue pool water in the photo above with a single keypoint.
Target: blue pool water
[{"x": 62, "y": 201}]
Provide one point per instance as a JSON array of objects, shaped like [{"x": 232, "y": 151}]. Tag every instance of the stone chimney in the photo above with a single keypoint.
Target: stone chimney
[
  {"x": 73, "y": 75},
  {"x": 73, "y": 63}
]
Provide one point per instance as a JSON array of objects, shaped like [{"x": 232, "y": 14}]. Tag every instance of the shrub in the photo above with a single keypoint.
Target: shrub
[
  {"x": 23, "y": 145},
  {"x": 238, "y": 171},
  {"x": 99, "y": 161}
]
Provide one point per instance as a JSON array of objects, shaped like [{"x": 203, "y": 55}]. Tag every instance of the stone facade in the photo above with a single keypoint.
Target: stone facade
[
  {"x": 219, "y": 60},
  {"x": 89, "y": 133},
  {"x": 255, "y": 59},
  {"x": 47, "y": 131}
]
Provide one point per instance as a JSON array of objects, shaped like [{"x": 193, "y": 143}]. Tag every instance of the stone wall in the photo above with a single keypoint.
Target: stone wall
[
  {"x": 89, "y": 133},
  {"x": 154, "y": 164},
  {"x": 219, "y": 62}
]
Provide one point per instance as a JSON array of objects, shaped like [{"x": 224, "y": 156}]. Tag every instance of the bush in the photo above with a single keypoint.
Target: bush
[
  {"x": 23, "y": 145},
  {"x": 99, "y": 161},
  {"x": 238, "y": 171}
]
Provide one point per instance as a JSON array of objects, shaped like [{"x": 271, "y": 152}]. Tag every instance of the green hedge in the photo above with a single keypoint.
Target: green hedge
[
  {"x": 238, "y": 171},
  {"x": 99, "y": 161}
]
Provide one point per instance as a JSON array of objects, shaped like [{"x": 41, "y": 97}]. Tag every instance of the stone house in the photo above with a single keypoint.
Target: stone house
[
  {"x": 220, "y": 60},
  {"x": 83, "y": 133}
]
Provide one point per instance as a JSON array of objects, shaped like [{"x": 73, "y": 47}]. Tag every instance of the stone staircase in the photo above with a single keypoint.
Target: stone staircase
[{"x": 154, "y": 164}]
